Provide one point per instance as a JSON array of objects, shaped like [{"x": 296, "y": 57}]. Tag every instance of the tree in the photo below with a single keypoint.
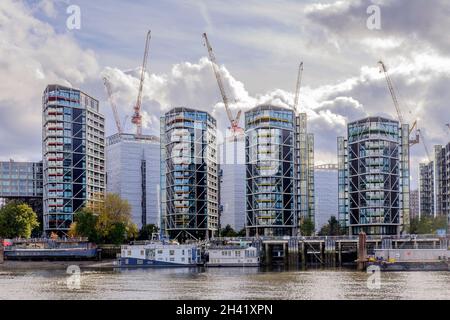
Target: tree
[
  {"x": 147, "y": 231},
  {"x": 17, "y": 220},
  {"x": 331, "y": 229},
  {"x": 427, "y": 224},
  {"x": 242, "y": 233},
  {"x": 86, "y": 225},
  {"x": 307, "y": 227},
  {"x": 117, "y": 233},
  {"x": 228, "y": 231}
]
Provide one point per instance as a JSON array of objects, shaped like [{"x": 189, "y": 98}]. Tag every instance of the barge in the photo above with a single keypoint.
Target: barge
[
  {"x": 47, "y": 249},
  {"x": 232, "y": 256},
  {"x": 159, "y": 254},
  {"x": 411, "y": 259}
]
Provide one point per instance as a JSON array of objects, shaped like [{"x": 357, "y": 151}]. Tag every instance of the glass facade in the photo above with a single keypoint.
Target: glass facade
[
  {"x": 434, "y": 184},
  {"x": 22, "y": 181},
  {"x": 373, "y": 175},
  {"x": 279, "y": 158},
  {"x": 189, "y": 175},
  {"x": 73, "y": 155}
]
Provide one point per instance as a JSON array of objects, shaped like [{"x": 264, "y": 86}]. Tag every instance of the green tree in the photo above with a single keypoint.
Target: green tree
[
  {"x": 86, "y": 225},
  {"x": 427, "y": 224},
  {"x": 110, "y": 223},
  {"x": 307, "y": 227},
  {"x": 117, "y": 233},
  {"x": 242, "y": 233},
  {"x": 228, "y": 231},
  {"x": 332, "y": 228},
  {"x": 17, "y": 220},
  {"x": 147, "y": 231}
]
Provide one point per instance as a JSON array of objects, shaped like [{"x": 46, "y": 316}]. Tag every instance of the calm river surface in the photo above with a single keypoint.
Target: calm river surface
[{"x": 235, "y": 283}]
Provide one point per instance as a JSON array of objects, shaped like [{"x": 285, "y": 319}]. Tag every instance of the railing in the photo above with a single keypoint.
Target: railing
[
  {"x": 323, "y": 238},
  {"x": 45, "y": 240}
]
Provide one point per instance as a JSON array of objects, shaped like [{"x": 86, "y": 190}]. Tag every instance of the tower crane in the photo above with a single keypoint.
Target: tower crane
[
  {"x": 113, "y": 104},
  {"x": 383, "y": 69},
  {"x": 424, "y": 144},
  {"x": 299, "y": 84},
  {"x": 233, "y": 121},
  {"x": 137, "y": 116}
]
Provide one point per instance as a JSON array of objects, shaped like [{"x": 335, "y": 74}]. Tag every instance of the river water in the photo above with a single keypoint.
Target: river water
[{"x": 222, "y": 284}]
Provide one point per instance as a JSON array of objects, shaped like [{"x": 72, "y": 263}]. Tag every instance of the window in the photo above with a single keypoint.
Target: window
[{"x": 172, "y": 252}]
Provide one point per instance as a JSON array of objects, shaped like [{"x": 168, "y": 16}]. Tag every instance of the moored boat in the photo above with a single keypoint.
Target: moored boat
[
  {"x": 159, "y": 254},
  {"x": 232, "y": 256}
]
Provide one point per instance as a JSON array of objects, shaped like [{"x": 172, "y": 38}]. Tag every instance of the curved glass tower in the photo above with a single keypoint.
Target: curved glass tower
[
  {"x": 189, "y": 175},
  {"x": 280, "y": 174},
  {"x": 374, "y": 177}
]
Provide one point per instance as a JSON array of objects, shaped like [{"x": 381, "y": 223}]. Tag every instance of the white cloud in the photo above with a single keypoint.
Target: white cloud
[{"x": 33, "y": 55}]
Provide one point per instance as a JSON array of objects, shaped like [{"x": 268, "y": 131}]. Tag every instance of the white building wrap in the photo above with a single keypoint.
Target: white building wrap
[{"x": 133, "y": 172}]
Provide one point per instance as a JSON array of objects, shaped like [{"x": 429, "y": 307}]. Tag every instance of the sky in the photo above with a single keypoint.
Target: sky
[{"x": 258, "y": 45}]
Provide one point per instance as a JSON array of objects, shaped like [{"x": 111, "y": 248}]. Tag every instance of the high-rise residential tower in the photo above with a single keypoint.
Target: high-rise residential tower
[
  {"x": 133, "y": 172},
  {"x": 73, "y": 146},
  {"x": 374, "y": 177},
  {"x": 189, "y": 175},
  {"x": 280, "y": 171},
  {"x": 434, "y": 184}
]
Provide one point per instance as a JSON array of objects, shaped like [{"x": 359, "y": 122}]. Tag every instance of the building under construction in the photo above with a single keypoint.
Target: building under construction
[
  {"x": 133, "y": 171},
  {"x": 280, "y": 171},
  {"x": 189, "y": 175},
  {"x": 374, "y": 177}
]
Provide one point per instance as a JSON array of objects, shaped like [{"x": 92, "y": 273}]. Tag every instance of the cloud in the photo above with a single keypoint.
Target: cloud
[{"x": 33, "y": 55}]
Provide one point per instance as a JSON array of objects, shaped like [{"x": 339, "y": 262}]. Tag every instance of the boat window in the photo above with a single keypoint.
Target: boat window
[
  {"x": 160, "y": 251},
  {"x": 172, "y": 252}
]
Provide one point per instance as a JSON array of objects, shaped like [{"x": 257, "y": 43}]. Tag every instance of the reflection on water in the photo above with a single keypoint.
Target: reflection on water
[{"x": 228, "y": 283}]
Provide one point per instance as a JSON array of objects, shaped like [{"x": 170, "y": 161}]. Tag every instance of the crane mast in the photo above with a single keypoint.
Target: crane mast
[
  {"x": 233, "y": 121},
  {"x": 299, "y": 84},
  {"x": 113, "y": 105},
  {"x": 397, "y": 105},
  {"x": 137, "y": 116}
]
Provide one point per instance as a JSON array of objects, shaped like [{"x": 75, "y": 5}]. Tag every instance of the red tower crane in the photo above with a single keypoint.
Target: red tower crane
[
  {"x": 137, "y": 117},
  {"x": 233, "y": 121}
]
